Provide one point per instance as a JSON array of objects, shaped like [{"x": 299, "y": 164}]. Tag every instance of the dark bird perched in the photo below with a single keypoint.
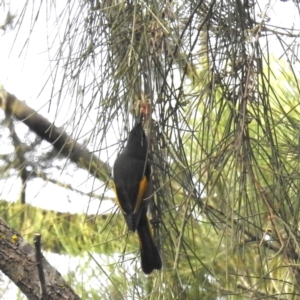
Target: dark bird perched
[{"x": 133, "y": 185}]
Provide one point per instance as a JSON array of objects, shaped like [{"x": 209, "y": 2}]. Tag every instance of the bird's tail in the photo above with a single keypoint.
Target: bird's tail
[{"x": 149, "y": 253}]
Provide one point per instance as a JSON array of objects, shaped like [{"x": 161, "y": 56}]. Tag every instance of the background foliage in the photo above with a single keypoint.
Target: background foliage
[{"x": 224, "y": 143}]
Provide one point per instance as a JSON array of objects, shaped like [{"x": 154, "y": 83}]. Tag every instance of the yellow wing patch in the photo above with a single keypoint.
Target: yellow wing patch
[{"x": 142, "y": 191}]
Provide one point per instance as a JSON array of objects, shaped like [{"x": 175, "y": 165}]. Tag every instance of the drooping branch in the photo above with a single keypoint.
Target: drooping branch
[{"x": 60, "y": 140}]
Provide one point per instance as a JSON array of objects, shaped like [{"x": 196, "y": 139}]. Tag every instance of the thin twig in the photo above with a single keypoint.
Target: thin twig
[{"x": 39, "y": 264}]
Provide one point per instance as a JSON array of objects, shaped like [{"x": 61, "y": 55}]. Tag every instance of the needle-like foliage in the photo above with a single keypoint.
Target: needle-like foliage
[{"x": 223, "y": 134}]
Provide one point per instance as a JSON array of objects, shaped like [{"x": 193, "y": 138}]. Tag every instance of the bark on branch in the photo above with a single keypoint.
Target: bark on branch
[
  {"x": 60, "y": 140},
  {"x": 17, "y": 261}
]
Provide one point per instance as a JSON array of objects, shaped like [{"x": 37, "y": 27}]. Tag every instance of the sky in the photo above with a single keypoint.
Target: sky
[
  {"x": 23, "y": 72},
  {"x": 24, "y": 69}
]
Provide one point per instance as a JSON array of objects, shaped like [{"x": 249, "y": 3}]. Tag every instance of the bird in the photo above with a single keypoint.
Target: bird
[{"x": 132, "y": 180}]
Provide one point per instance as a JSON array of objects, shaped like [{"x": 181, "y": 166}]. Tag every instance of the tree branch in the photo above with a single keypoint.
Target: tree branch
[
  {"x": 17, "y": 261},
  {"x": 60, "y": 140}
]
